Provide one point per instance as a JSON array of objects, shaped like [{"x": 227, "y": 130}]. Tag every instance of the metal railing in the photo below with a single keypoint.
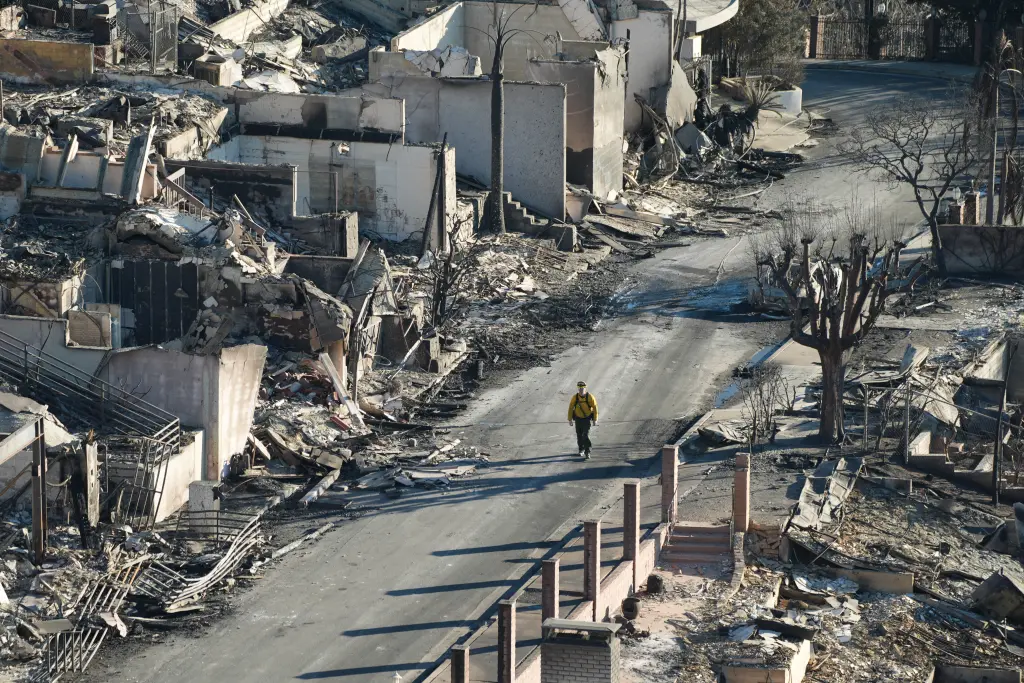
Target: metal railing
[
  {"x": 72, "y": 651},
  {"x": 73, "y": 394}
]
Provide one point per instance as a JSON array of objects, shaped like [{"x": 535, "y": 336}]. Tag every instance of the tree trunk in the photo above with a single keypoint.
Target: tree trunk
[
  {"x": 937, "y": 252},
  {"x": 833, "y": 377},
  {"x": 497, "y": 144}
]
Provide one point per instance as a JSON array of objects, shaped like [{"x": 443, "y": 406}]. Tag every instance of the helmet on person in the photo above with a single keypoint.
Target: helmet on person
[{"x": 581, "y": 384}]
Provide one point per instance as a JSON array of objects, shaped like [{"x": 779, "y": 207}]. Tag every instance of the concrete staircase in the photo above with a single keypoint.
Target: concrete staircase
[
  {"x": 697, "y": 543},
  {"x": 140, "y": 437},
  {"x": 518, "y": 219}
]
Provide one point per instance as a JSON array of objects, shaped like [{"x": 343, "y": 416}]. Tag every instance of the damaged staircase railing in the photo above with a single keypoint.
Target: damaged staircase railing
[
  {"x": 71, "y": 651},
  {"x": 142, "y": 436}
]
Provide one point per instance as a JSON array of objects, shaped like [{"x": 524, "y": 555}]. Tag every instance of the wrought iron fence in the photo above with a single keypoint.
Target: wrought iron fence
[
  {"x": 955, "y": 41},
  {"x": 899, "y": 40},
  {"x": 907, "y": 39},
  {"x": 842, "y": 39}
]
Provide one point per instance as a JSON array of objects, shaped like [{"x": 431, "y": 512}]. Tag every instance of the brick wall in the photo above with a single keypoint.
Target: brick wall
[
  {"x": 615, "y": 588},
  {"x": 528, "y": 670},
  {"x": 565, "y": 660},
  {"x": 89, "y": 328},
  {"x": 37, "y": 61}
]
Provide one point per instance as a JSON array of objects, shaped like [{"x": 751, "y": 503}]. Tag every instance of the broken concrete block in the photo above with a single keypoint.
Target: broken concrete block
[
  {"x": 210, "y": 302},
  {"x": 217, "y": 70},
  {"x": 346, "y": 47},
  {"x": 999, "y": 597},
  {"x": 692, "y": 139}
]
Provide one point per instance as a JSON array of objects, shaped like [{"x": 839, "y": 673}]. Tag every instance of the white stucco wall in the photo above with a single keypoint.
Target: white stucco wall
[
  {"x": 534, "y": 139},
  {"x": 388, "y": 185},
  {"x": 534, "y": 131},
  {"x": 49, "y": 334},
  {"x": 444, "y": 29},
  {"x": 650, "y": 57},
  {"x": 535, "y": 26},
  {"x": 352, "y": 113}
]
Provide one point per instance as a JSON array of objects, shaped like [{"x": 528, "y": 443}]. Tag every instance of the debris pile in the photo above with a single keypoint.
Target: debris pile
[{"x": 107, "y": 118}]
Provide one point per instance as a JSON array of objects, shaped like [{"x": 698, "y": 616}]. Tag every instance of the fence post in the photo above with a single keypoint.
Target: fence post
[{"x": 906, "y": 425}]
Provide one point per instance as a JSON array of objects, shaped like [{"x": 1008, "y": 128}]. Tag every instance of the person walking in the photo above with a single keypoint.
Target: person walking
[{"x": 583, "y": 414}]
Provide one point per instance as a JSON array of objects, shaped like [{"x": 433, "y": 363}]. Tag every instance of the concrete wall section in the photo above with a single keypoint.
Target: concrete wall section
[
  {"x": 609, "y": 115},
  {"x": 650, "y": 57},
  {"x": 43, "y": 61},
  {"x": 216, "y": 393},
  {"x": 595, "y": 102},
  {"x": 49, "y": 334},
  {"x": 321, "y": 111},
  {"x": 421, "y": 94},
  {"x": 20, "y": 153},
  {"x": 388, "y": 185},
  {"x": 182, "y": 469},
  {"x": 534, "y": 138},
  {"x": 536, "y": 26},
  {"x": 238, "y": 382},
  {"x": 240, "y": 25},
  {"x": 443, "y": 29},
  {"x": 180, "y": 383}
]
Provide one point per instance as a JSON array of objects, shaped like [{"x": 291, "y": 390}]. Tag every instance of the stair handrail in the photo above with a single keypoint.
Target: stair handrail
[{"x": 131, "y": 410}]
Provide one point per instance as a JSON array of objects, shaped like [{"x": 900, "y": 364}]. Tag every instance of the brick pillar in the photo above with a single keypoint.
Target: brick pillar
[
  {"x": 932, "y": 27},
  {"x": 956, "y": 214},
  {"x": 669, "y": 483},
  {"x": 741, "y": 493},
  {"x": 549, "y": 583},
  {"x": 812, "y": 43},
  {"x": 972, "y": 209},
  {"x": 507, "y": 641},
  {"x": 592, "y": 563},
  {"x": 460, "y": 664},
  {"x": 631, "y": 526}
]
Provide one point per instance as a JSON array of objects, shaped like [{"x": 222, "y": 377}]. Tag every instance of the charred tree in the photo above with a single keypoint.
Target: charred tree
[
  {"x": 836, "y": 276},
  {"x": 501, "y": 32},
  {"x": 927, "y": 145}
]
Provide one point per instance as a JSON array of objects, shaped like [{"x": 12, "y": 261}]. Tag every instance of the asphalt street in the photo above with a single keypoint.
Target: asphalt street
[{"x": 392, "y": 590}]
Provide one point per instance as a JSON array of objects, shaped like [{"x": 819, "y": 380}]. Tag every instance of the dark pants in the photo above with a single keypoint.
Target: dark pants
[{"x": 582, "y": 433}]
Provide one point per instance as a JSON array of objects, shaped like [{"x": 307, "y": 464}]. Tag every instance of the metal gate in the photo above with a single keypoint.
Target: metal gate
[
  {"x": 937, "y": 38},
  {"x": 149, "y": 36}
]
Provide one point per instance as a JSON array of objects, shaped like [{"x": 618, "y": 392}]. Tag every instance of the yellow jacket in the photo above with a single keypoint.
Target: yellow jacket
[{"x": 583, "y": 406}]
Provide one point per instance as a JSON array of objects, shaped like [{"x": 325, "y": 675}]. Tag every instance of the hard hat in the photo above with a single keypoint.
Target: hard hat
[{"x": 581, "y": 384}]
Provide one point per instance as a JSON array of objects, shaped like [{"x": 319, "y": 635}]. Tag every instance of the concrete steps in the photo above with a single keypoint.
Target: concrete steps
[
  {"x": 518, "y": 219},
  {"x": 695, "y": 543}
]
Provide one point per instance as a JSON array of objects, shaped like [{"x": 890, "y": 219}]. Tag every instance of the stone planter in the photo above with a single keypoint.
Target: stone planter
[{"x": 790, "y": 101}]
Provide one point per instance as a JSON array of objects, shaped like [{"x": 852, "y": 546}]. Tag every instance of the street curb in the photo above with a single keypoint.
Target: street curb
[{"x": 897, "y": 71}]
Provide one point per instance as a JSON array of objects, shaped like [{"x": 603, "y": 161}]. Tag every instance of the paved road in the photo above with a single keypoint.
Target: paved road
[
  {"x": 845, "y": 96},
  {"x": 390, "y": 591}
]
